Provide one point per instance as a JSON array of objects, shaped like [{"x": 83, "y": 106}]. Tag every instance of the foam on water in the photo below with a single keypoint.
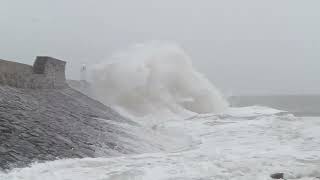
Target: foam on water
[
  {"x": 244, "y": 143},
  {"x": 155, "y": 79}
]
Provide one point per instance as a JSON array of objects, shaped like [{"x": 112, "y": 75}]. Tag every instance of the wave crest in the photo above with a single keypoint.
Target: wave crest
[{"x": 155, "y": 78}]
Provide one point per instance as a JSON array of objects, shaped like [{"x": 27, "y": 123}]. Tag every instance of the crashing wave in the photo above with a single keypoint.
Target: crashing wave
[{"x": 155, "y": 78}]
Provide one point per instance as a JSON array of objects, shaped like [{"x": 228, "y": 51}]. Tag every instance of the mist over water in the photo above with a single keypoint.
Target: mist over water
[{"x": 155, "y": 78}]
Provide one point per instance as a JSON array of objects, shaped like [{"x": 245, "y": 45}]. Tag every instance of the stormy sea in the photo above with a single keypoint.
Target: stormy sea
[{"x": 186, "y": 129}]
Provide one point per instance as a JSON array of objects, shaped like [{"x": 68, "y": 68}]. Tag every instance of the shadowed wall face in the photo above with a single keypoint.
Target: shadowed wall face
[{"x": 46, "y": 73}]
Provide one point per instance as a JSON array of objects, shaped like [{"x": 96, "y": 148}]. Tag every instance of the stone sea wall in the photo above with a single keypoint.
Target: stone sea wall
[
  {"x": 43, "y": 119},
  {"x": 46, "y": 73}
]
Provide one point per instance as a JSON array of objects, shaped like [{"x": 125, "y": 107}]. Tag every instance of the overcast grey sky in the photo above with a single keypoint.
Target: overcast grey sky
[{"x": 243, "y": 46}]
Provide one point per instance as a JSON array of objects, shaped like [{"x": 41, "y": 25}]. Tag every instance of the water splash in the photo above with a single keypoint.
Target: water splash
[{"x": 155, "y": 78}]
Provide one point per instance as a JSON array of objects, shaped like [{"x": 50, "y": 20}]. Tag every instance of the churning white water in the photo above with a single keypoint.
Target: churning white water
[
  {"x": 199, "y": 138},
  {"x": 243, "y": 143},
  {"x": 155, "y": 79}
]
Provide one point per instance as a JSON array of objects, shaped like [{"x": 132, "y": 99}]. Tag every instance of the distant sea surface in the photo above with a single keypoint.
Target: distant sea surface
[{"x": 299, "y": 105}]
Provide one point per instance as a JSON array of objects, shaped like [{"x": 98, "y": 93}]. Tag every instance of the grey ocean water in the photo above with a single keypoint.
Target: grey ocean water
[{"x": 299, "y": 105}]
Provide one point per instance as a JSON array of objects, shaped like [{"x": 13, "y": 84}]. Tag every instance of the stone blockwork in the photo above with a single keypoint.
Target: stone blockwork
[
  {"x": 46, "y": 73},
  {"x": 46, "y": 124}
]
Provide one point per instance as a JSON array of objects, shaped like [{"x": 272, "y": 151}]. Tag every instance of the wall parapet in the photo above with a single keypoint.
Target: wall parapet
[{"x": 46, "y": 73}]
